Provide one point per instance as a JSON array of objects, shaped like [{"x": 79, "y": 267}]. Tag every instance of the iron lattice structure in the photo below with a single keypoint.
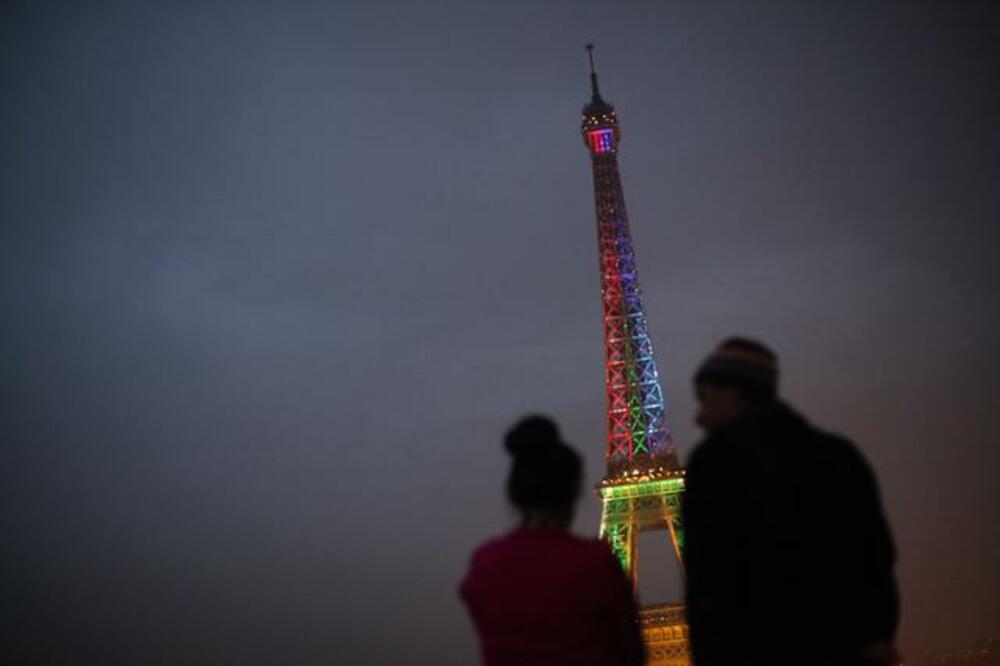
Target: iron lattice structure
[
  {"x": 644, "y": 484},
  {"x": 639, "y": 436}
]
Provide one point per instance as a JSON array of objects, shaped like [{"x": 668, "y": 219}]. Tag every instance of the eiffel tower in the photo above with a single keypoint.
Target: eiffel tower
[{"x": 644, "y": 483}]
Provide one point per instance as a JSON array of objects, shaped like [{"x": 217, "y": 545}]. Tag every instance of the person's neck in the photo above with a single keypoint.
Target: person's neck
[
  {"x": 748, "y": 412},
  {"x": 546, "y": 521}
]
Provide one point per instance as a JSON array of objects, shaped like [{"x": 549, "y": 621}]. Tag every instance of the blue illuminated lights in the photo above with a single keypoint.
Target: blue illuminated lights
[{"x": 602, "y": 140}]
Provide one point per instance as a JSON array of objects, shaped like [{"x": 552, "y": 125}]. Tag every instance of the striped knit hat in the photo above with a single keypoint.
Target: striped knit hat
[{"x": 744, "y": 363}]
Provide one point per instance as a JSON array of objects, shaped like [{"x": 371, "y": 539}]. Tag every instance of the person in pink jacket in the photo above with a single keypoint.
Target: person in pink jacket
[{"x": 539, "y": 594}]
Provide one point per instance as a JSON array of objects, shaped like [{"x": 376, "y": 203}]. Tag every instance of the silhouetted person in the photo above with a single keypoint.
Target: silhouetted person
[
  {"x": 789, "y": 559},
  {"x": 540, "y": 595}
]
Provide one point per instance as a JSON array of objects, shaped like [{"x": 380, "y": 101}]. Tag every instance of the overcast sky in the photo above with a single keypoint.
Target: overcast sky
[{"x": 275, "y": 277}]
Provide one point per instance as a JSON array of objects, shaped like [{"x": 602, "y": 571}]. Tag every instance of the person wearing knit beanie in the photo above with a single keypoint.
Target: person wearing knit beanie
[
  {"x": 738, "y": 374},
  {"x": 768, "y": 578},
  {"x": 745, "y": 363}
]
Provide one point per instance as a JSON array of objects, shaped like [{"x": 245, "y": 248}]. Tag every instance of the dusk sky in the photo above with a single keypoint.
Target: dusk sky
[{"x": 275, "y": 277}]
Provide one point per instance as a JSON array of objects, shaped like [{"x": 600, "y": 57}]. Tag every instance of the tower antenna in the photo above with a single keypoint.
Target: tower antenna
[{"x": 593, "y": 72}]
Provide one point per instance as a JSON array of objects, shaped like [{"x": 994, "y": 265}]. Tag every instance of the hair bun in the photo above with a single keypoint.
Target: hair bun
[
  {"x": 532, "y": 433},
  {"x": 545, "y": 473}
]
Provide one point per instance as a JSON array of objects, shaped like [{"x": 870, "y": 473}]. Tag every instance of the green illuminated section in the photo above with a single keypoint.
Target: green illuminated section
[
  {"x": 638, "y": 505},
  {"x": 643, "y": 488},
  {"x": 679, "y": 535},
  {"x": 636, "y": 421},
  {"x": 617, "y": 538}
]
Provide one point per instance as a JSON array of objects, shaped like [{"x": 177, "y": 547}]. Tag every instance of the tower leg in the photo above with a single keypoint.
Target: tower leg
[
  {"x": 633, "y": 568},
  {"x": 675, "y": 541},
  {"x": 620, "y": 532}
]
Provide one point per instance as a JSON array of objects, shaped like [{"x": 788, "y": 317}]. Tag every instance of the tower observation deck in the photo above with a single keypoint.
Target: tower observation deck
[{"x": 644, "y": 483}]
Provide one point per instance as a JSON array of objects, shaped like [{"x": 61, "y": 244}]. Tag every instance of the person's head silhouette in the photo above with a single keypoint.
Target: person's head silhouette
[
  {"x": 738, "y": 374},
  {"x": 544, "y": 480}
]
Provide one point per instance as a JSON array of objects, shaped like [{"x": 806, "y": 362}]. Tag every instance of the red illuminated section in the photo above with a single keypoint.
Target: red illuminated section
[{"x": 601, "y": 141}]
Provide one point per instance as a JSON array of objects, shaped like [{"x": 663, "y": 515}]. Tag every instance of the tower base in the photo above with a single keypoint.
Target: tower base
[
  {"x": 638, "y": 503},
  {"x": 665, "y": 634}
]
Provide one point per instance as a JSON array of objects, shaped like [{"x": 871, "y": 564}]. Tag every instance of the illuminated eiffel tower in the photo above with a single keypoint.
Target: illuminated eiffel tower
[{"x": 644, "y": 483}]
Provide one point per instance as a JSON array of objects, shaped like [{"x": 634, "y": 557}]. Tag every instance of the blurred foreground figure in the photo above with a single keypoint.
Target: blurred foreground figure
[
  {"x": 788, "y": 555},
  {"x": 540, "y": 595}
]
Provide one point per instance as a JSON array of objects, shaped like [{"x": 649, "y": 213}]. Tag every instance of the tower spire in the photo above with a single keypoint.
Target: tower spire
[{"x": 593, "y": 74}]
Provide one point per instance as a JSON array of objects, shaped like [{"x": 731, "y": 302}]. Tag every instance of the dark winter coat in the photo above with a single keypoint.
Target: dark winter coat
[{"x": 788, "y": 555}]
